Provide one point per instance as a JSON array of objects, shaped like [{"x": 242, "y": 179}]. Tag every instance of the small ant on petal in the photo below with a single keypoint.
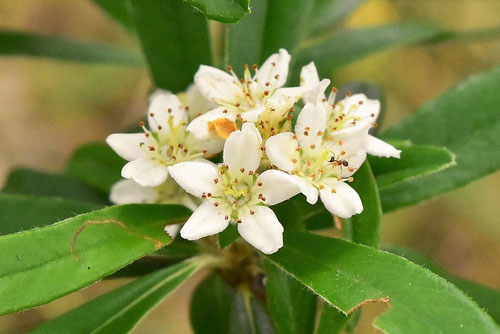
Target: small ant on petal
[{"x": 338, "y": 162}]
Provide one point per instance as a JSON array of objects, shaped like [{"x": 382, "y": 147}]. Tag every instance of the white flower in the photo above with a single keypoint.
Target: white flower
[
  {"x": 349, "y": 120},
  {"x": 317, "y": 168},
  {"x": 248, "y": 97},
  {"x": 196, "y": 103},
  {"x": 128, "y": 191},
  {"x": 234, "y": 192},
  {"x": 166, "y": 143}
]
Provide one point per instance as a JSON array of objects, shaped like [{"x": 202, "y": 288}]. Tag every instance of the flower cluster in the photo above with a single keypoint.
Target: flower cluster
[{"x": 263, "y": 163}]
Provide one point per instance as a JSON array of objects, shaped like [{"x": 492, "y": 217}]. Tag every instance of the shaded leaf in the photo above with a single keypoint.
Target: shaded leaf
[
  {"x": 119, "y": 10},
  {"x": 75, "y": 252},
  {"x": 227, "y": 236},
  {"x": 366, "y": 225},
  {"x": 331, "y": 320},
  {"x": 31, "y": 182},
  {"x": 120, "y": 310},
  {"x": 291, "y": 305},
  {"x": 349, "y": 275},
  {"x": 464, "y": 120},
  {"x": 218, "y": 308},
  {"x": 21, "y": 212},
  {"x": 486, "y": 297},
  {"x": 227, "y": 11},
  {"x": 15, "y": 43},
  {"x": 97, "y": 165},
  {"x": 415, "y": 161},
  {"x": 174, "y": 39},
  {"x": 326, "y": 14}
]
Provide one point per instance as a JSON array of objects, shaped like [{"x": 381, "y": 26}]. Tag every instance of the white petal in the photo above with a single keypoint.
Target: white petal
[
  {"x": 252, "y": 128},
  {"x": 213, "y": 146},
  {"x": 128, "y": 191},
  {"x": 172, "y": 230},
  {"x": 344, "y": 203},
  {"x": 217, "y": 85},
  {"x": 307, "y": 189},
  {"x": 262, "y": 229},
  {"x": 309, "y": 78},
  {"x": 375, "y": 146},
  {"x": 196, "y": 102},
  {"x": 363, "y": 110},
  {"x": 162, "y": 106},
  {"x": 206, "y": 220},
  {"x": 242, "y": 150},
  {"x": 194, "y": 177},
  {"x": 253, "y": 115},
  {"x": 276, "y": 64},
  {"x": 276, "y": 186},
  {"x": 281, "y": 149},
  {"x": 199, "y": 126},
  {"x": 293, "y": 93},
  {"x": 127, "y": 145},
  {"x": 146, "y": 172},
  {"x": 310, "y": 127},
  {"x": 309, "y": 75},
  {"x": 188, "y": 202}
]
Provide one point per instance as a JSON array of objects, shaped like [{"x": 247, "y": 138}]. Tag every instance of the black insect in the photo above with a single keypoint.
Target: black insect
[{"x": 338, "y": 162}]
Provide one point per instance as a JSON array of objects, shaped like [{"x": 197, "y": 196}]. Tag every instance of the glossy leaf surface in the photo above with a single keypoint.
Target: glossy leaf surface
[
  {"x": 464, "y": 120},
  {"x": 75, "y": 252},
  {"x": 348, "y": 275},
  {"x": 227, "y": 11}
]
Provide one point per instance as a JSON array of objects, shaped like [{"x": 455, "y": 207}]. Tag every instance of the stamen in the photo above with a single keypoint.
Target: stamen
[
  {"x": 250, "y": 173},
  {"x": 242, "y": 170},
  {"x": 216, "y": 180},
  {"x": 259, "y": 184},
  {"x": 216, "y": 204},
  {"x": 320, "y": 133},
  {"x": 334, "y": 191},
  {"x": 252, "y": 212},
  {"x": 350, "y": 179}
]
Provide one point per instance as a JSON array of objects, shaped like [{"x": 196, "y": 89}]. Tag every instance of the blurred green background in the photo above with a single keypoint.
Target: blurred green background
[{"x": 49, "y": 108}]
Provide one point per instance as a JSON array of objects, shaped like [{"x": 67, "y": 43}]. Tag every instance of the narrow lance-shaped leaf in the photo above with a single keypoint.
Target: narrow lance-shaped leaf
[
  {"x": 291, "y": 305},
  {"x": 118, "y": 10},
  {"x": 97, "y": 165},
  {"x": 76, "y": 252},
  {"x": 120, "y": 310},
  {"x": 415, "y": 161},
  {"x": 175, "y": 40},
  {"x": 16, "y": 43},
  {"x": 331, "y": 320},
  {"x": 217, "y": 308},
  {"x": 486, "y": 297},
  {"x": 24, "y": 212},
  {"x": 32, "y": 182},
  {"x": 464, "y": 120},
  {"x": 286, "y": 21},
  {"x": 349, "y": 275},
  {"x": 326, "y": 14},
  {"x": 227, "y": 11},
  {"x": 366, "y": 225}
]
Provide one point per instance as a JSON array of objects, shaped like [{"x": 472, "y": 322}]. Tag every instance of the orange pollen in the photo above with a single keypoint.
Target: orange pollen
[
  {"x": 334, "y": 191},
  {"x": 294, "y": 160},
  {"x": 259, "y": 184},
  {"x": 320, "y": 133},
  {"x": 306, "y": 133},
  {"x": 312, "y": 146},
  {"x": 341, "y": 142},
  {"x": 252, "y": 212},
  {"x": 350, "y": 179},
  {"x": 342, "y": 152},
  {"x": 242, "y": 170},
  {"x": 216, "y": 204},
  {"x": 250, "y": 172},
  {"x": 216, "y": 180},
  {"x": 151, "y": 148},
  {"x": 321, "y": 186}
]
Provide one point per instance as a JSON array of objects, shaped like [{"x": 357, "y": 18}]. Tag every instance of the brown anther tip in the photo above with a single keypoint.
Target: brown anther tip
[
  {"x": 141, "y": 144},
  {"x": 250, "y": 173},
  {"x": 277, "y": 76},
  {"x": 339, "y": 178},
  {"x": 307, "y": 128},
  {"x": 239, "y": 221},
  {"x": 141, "y": 123},
  {"x": 350, "y": 169},
  {"x": 254, "y": 66},
  {"x": 297, "y": 149},
  {"x": 204, "y": 151},
  {"x": 226, "y": 217},
  {"x": 342, "y": 152},
  {"x": 350, "y": 179},
  {"x": 320, "y": 133},
  {"x": 186, "y": 108},
  {"x": 224, "y": 111},
  {"x": 306, "y": 133},
  {"x": 341, "y": 142},
  {"x": 294, "y": 160},
  {"x": 267, "y": 84},
  {"x": 252, "y": 212},
  {"x": 242, "y": 170},
  {"x": 229, "y": 67},
  {"x": 274, "y": 64},
  {"x": 151, "y": 148},
  {"x": 174, "y": 157},
  {"x": 259, "y": 184},
  {"x": 262, "y": 148},
  {"x": 266, "y": 92},
  {"x": 216, "y": 180},
  {"x": 372, "y": 115},
  {"x": 321, "y": 186},
  {"x": 169, "y": 110},
  {"x": 335, "y": 89},
  {"x": 374, "y": 124},
  {"x": 260, "y": 196},
  {"x": 312, "y": 146},
  {"x": 360, "y": 102},
  {"x": 334, "y": 191},
  {"x": 216, "y": 204},
  {"x": 237, "y": 105},
  {"x": 294, "y": 136},
  {"x": 152, "y": 114},
  {"x": 242, "y": 80},
  {"x": 147, "y": 134},
  {"x": 348, "y": 93},
  {"x": 323, "y": 100},
  {"x": 263, "y": 198},
  {"x": 159, "y": 127},
  {"x": 185, "y": 150}
]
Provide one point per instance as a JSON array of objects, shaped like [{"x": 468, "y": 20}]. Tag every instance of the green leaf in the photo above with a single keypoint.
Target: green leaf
[
  {"x": 326, "y": 14},
  {"x": 486, "y": 297},
  {"x": 97, "y": 165},
  {"x": 227, "y": 11},
  {"x": 415, "y": 161},
  {"x": 314, "y": 217},
  {"x": 74, "y": 253},
  {"x": 120, "y": 310},
  {"x": 119, "y": 10},
  {"x": 31, "y": 182},
  {"x": 15, "y": 43},
  {"x": 349, "y": 45},
  {"x": 175, "y": 40},
  {"x": 227, "y": 236},
  {"x": 366, "y": 225},
  {"x": 218, "y": 308},
  {"x": 286, "y": 21},
  {"x": 244, "y": 38},
  {"x": 331, "y": 320},
  {"x": 20, "y": 212},
  {"x": 464, "y": 120},
  {"x": 349, "y": 275},
  {"x": 291, "y": 306}
]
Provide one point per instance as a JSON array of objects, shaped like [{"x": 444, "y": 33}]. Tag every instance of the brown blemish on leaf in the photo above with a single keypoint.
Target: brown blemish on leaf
[
  {"x": 158, "y": 243},
  {"x": 385, "y": 300}
]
